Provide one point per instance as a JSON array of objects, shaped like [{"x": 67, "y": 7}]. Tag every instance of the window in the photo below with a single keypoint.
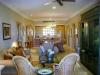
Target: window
[{"x": 50, "y": 31}]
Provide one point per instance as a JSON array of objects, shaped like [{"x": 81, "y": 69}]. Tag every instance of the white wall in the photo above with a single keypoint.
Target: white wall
[{"x": 5, "y": 17}]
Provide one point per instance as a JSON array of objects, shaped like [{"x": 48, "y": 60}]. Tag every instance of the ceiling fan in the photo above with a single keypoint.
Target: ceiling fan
[{"x": 61, "y": 1}]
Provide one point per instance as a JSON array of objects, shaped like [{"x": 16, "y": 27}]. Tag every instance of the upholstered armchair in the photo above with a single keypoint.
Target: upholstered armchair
[
  {"x": 23, "y": 66},
  {"x": 67, "y": 65},
  {"x": 46, "y": 54}
]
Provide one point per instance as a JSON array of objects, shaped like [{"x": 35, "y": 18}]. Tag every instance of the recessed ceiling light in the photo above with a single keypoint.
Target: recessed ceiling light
[
  {"x": 31, "y": 15},
  {"x": 53, "y": 7},
  {"x": 46, "y": 4},
  {"x": 50, "y": 18}
]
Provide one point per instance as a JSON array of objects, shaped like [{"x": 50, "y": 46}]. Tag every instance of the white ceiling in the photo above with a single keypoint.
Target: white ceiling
[{"x": 39, "y": 11}]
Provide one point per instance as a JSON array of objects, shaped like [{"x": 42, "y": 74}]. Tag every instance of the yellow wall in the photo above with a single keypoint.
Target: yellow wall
[
  {"x": 71, "y": 26},
  {"x": 58, "y": 28}
]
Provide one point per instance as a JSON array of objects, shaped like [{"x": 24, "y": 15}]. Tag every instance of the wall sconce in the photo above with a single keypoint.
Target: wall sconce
[{"x": 76, "y": 31}]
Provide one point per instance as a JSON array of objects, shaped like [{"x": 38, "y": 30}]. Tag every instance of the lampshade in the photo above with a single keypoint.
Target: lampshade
[{"x": 14, "y": 44}]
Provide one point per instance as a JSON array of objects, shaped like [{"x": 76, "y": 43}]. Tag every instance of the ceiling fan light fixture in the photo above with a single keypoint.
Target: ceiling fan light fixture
[{"x": 46, "y": 4}]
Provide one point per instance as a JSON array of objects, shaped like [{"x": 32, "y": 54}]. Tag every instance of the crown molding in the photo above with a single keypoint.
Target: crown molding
[
  {"x": 86, "y": 8},
  {"x": 14, "y": 10}
]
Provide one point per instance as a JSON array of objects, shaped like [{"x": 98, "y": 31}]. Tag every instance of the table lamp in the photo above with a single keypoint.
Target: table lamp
[
  {"x": 14, "y": 47},
  {"x": 14, "y": 44}
]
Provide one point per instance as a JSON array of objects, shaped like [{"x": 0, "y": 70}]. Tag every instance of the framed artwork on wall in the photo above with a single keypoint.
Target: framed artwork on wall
[{"x": 6, "y": 31}]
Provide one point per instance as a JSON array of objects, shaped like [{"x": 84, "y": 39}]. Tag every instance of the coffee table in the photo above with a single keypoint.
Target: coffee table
[{"x": 44, "y": 71}]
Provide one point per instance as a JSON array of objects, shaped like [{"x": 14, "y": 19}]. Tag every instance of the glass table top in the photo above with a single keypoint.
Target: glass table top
[{"x": 44, "y": 71}]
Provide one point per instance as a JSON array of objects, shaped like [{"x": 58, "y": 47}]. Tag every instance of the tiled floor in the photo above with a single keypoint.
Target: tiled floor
[{"x": 81, "y": 70}]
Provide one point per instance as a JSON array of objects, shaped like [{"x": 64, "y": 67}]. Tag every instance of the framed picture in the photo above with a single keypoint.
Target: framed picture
[{"x": 6, "y": 31}]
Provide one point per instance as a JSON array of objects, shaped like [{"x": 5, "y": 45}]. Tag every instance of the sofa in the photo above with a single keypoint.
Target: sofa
[{"x": 9, "y": 53}]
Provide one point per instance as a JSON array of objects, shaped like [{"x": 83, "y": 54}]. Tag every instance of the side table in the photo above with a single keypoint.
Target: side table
[{"x": 44, "y": 71}]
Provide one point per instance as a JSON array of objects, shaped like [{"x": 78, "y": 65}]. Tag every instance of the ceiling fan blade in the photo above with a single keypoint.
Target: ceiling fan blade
[
  {"x": 60, "y": 2},
  {"x": 69, "y": 0}
]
